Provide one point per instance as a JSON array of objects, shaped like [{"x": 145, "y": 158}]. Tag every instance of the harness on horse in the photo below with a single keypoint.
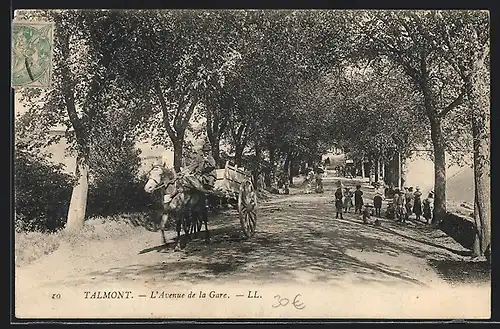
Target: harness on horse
[
  {"x": 178, "y": 187},
  {"x": 161, "y": 184}
]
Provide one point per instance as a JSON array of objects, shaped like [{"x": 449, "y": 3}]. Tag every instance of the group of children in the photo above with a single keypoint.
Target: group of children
[
  {"x": 314, "y": 180},
  {"x": 403, "y": 204},
  {"x": 343, "y": 202},
  {"x": 407, "y": 202}
]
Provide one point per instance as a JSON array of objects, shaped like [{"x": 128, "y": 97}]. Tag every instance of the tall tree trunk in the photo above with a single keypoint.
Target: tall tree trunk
[
  {"x": 286, "y": 165},
  {"x": 370, "y": 171},
  {"x": 272, "y": 169},
  {"x": 482, "y": 190},
  {"x": 216, "y": 152},
  {"x": 215, "y": 129},
  {"x": 377, "y": 170},
  {"x": 389, "y": 172},
  {"x": 177, "y": 153},
  {"x": 363, "y": 174},
  {"x": 78, "y": 203},
  {"x": 258, "y": 166},
  {"x": 399, "y": 171},
  {"x": 479, "y": 101},
  {"x": 439, "y": 171},
  {"x": 79, "y": 195},
  {"x": 382, "y": 169},
  {"x": 212, "y": 137},
  {"x": 402, "y": 170},
  {"x": 392, "y": 170},
  {"x": 238, "y": 155},
  {"x": 291, "y": 170}
]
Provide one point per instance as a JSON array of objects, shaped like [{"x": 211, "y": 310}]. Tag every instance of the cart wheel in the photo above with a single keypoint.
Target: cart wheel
[{"x": 247, "y": 204}]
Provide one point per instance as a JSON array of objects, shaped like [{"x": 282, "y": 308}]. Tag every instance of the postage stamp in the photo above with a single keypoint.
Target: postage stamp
[{"x": 32, "y": 44}]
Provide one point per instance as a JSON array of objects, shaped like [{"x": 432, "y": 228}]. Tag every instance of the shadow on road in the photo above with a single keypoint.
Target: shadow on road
[
  {"x": 299, "y": 241},
  {"x": 457, "y": 252},
  {"x": 463, "y": 271},
  {"x": 297, "y": 252}
]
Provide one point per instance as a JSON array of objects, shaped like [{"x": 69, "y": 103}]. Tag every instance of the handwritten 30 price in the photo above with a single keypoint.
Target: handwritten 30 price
[{"x": 283, "y": 301}]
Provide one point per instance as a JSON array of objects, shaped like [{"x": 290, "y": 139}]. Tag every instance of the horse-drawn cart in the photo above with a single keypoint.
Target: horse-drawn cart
[{"x": 235, "y": 184}]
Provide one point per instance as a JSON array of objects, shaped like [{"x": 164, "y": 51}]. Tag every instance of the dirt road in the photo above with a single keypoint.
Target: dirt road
[{"x": 340, "y": 267}]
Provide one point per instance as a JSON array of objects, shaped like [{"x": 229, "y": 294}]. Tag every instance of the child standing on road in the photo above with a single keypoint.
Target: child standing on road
[
  {"x": 338, "y": 202},
  {"x": 347, "y": 199},
  {"x": 358, "y": 199},
  {"x": 367, "y": 212}
]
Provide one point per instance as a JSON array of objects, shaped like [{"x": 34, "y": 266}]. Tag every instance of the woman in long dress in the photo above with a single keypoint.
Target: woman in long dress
[
  {"x": 309, "y": 180},
  {"x": 409, "y": 202},
  {"x": 319, "y": 179},
  {"x": 427, "y": 204},
  {"x": 417, "y": 203}
]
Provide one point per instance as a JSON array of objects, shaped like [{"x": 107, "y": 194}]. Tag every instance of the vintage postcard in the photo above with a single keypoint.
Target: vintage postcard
[{"x": 252, "y": 164}]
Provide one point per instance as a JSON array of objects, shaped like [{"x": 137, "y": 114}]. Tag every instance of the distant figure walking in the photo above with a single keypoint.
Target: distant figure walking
[
  {"x": 309, "y": 180},
  {"x": 319, "y": 179},
  {"x": 377, "y": 203},
  {"x": 428, "y": 204},
  {"x": 358, "y": 199},
  {"x": 399, "y": 204},
  {"x": 417, "y": 203},
  {"x": 338, "y": 203}
]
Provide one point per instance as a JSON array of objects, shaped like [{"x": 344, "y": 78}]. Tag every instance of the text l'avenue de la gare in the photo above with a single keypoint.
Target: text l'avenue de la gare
[{"x": 160, "y": 294}]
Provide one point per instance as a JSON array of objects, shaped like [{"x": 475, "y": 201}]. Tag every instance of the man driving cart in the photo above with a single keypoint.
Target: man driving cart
[{"x": 200, "y": 175}]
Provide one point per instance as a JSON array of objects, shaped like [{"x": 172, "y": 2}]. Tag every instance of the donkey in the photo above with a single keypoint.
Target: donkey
[{"x": 185, "y": 205}]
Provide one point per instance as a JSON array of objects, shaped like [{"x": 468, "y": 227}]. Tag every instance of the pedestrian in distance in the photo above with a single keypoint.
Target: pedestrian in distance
[
  {"x": 409, "y": 202},
  {"x": 309, "y": 180},
  {"x": 358, "y": 199},
  {"x": 400, "y": 207},
  {"x": 338, "y": 202},
  {"x": 417, "y": 203},
  {"x": 427, "y": 207},
  {"x": 319, "y": 179},
  {"x": 377, "y": 203}
]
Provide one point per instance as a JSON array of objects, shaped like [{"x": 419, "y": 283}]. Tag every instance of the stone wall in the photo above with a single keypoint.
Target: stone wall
[{"x": 460, "y": 229}]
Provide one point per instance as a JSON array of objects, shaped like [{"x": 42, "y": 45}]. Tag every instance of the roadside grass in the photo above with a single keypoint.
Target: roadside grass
[{"x": 30, "y": 246}]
